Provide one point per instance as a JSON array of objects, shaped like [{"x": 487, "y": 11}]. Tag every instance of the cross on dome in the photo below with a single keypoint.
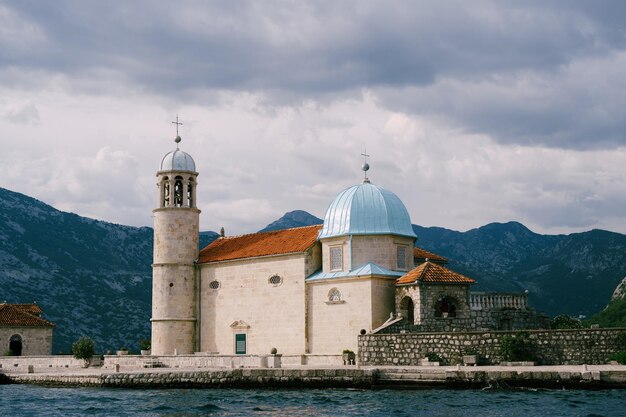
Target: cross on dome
[{"x": 365, "y": 167}]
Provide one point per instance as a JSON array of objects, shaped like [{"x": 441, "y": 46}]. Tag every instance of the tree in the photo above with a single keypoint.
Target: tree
[
  {"x": 566, "y": 322},
  {"x": 84, "y": 348}
]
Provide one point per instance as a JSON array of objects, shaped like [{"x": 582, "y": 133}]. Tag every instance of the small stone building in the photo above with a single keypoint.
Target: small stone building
[{"x": 23, "y": 332}]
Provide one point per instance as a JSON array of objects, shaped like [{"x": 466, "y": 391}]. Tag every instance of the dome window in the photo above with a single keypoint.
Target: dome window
[
  {"x": 401, "y": 258},
  {"x": 336, "y": 258},
  {"x": 275, "y": 280}
]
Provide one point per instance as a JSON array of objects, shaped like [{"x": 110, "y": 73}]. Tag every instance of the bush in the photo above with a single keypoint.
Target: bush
[
  {"x": 565, "y": 322},
  {"x": 84, "y": 348},
  {"x": 620, "y": 357},
  {"x": 517, "y": 347},
  {"x": 434, "y": 357},
  {"x": 145, "y": 344}
]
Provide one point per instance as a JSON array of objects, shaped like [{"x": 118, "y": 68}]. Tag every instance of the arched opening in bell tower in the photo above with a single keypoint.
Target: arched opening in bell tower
[
  {"x": 178, "y": 191},
  {"x": 165, "y": 192},
  {"x": 190, "y": 192}
]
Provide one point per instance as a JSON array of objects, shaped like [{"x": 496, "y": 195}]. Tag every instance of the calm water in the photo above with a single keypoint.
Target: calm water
[{"x": 24, "y": 400}]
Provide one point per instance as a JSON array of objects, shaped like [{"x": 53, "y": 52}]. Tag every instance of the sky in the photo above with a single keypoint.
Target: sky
[{"x": 471, "y": 112}]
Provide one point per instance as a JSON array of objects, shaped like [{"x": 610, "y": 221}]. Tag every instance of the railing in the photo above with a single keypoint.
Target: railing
[{"x": 490, "y": 300}]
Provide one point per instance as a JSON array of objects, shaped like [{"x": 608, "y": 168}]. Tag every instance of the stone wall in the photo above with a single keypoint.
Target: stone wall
[
  {"x": 551, "y": 347},
  {"x": 19, "y": 363},
  {"x": 35, "y": 340}
]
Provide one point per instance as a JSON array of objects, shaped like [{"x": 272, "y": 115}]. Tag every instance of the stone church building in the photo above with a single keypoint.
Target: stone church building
[
  {"x": 23, "y": 332},
  {"x": 307, "y": 290}
]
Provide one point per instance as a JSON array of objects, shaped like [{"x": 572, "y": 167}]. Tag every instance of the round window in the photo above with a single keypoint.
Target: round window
[
  {"x": 214, "y": 285},
  {"x": 334, "y": 296},
  {"x": 276, "y": 280}
]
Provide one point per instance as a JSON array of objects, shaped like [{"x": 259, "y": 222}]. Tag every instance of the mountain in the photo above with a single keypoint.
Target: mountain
[
  {"x": 614, "y": 315},
  {"x": 94, "y": 278},
  {"x": 296, "y": 218},
  {"x": 90, "y": 277},
  {"x": 565, "y": 274}
]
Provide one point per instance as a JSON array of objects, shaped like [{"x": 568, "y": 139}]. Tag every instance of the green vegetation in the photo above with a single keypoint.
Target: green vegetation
[
  {"x": 620, "y": 357},
  {"x": 566, "y": 322},
  {"x": 518, "y": 347},
  {"x": 614, "y": 315},
  {"x": 434, "y": 357},
  {"x": 84, "y": 348},
  {"x": 145, "y": 344}
]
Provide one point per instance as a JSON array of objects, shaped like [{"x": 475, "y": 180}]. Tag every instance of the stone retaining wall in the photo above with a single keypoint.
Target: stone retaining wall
[
  {"x": 551, "y": 347},
  {"x": 296, "y": 378},
  {"x": 48, "y": 361}
]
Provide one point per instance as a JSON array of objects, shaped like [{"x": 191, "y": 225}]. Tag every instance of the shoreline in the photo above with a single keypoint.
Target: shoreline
[{"x": 419, "y": 377}]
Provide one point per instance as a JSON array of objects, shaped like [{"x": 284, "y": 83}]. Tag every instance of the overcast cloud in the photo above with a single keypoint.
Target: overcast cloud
[{"x": 472, "y": 112}]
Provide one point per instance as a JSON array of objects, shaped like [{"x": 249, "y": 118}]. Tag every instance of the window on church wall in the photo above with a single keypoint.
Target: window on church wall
[
  {"x": 336, "y": 258},
  {"x": 334, "y": 296},
  {"x": 275, "y": 280},
  {"x": 401, "y": 257},
  {"x": 178, "y": 192},
  {"x": 214, "y": 285}
]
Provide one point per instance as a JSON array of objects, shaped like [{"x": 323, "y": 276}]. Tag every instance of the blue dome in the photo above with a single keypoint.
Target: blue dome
[
  {"x": 178, "y": 160},
  {"x": 366, "y": 209}
]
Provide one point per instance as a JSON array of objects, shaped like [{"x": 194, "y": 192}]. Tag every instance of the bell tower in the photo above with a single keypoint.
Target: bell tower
[{"x": 176, "y": 228}]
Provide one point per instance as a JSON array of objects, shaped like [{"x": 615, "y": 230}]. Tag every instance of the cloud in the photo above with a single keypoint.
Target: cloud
[{"x": 472, "y": 112}]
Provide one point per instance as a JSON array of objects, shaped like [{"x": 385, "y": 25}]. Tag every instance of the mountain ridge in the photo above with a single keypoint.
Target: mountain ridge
[{"x": 94, "y": 278}]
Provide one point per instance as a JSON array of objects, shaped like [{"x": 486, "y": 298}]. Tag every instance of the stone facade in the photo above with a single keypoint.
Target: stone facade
[
  {"x": 35, "y": 340},
  {"x": 570, "y": 347},
  {"x": 242, "y": 300}
]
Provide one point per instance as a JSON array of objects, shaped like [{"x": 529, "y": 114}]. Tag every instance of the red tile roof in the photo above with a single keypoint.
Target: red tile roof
[
  {"x": 432, "y": 272},
  {"x": 420, "y": 253},
  {"x": 277, "y": 242},
  {"x": 19, "y": 315},
  {"x": 33, "y": 308}
]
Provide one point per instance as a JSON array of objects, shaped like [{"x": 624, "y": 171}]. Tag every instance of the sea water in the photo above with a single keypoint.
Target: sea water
[{"x": 26, "y": 400}]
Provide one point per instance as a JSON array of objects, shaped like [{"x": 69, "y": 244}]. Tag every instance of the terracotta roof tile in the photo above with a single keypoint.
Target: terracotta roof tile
[
  {"x": 420, "y": 253},
  {"x": 33, "y": 308},
  {"x": 432, "y": 272},
  {"x": 15, "y": 315},
  {"x": 276, "y": 242}
]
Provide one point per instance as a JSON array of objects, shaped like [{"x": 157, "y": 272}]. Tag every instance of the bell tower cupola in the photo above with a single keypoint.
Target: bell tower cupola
[{"x": 176, "y": 228}]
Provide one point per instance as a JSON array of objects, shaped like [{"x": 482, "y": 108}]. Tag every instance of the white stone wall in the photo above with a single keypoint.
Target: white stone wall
[
  {"x": 173, "y": 280},
  {"x": 35, "y": 340},
  {"x": 332, "y": 327},
  {"x": 271, "y": 316}
]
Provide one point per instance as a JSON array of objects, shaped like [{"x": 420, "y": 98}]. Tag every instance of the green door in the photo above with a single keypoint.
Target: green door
[{"x": 240, "y": 344}]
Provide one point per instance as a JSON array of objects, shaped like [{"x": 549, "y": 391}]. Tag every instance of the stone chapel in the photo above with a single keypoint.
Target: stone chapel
[{"x": 307, "y": 290}]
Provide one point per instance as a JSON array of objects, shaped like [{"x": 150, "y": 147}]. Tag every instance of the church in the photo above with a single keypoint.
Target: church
[{"x": 306, "y": 291}]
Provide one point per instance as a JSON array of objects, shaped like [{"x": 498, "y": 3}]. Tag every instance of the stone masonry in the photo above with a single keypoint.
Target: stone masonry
[{"x": 567, "y": 347}]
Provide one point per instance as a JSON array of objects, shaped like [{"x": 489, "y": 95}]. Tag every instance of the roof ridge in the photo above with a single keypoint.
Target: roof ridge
[{"x": 268, "y": 231}]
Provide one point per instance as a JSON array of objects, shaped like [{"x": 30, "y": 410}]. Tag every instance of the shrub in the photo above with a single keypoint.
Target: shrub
[
  {"x": 145, "y": 344},
  {"x": 84, "y": 348},
  {"x": 8, "y": 353},
  {"x": 434, "y": 357},
  {"x": 517, "y": 347},
  {"x": 565, "y": 322},
  {"x": 620, "y": 357}
]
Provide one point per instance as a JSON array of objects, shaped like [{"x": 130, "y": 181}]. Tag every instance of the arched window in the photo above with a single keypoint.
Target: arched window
[
  {"x": 166, "y": 192},
  {"x": 190, "y": 192},
  {"x": 178, "y": 192},
  {"x": 334, "y": 295},
  {"x": 15, "y": 345}
]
